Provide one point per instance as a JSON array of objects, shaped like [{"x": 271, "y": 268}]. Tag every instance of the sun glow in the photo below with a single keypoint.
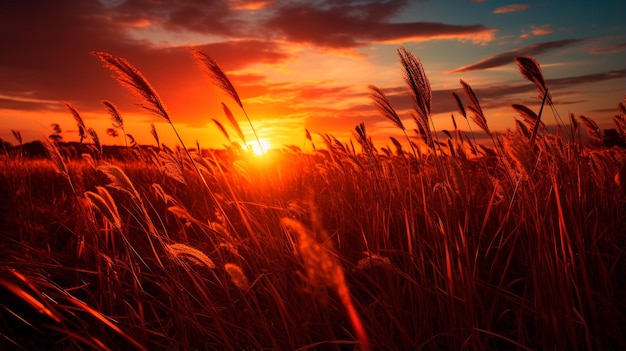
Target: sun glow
[{"x": 259, "y": 147}]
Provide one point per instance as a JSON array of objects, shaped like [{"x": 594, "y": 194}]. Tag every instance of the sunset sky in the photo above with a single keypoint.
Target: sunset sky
[{"x": 301, "y": 64}]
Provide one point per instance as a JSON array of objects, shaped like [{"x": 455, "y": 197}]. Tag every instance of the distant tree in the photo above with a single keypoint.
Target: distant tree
[
  {"x": 112, "y": 132},
  {"x": 56, "y": 128},
  {"x": 56, "y": 136}
]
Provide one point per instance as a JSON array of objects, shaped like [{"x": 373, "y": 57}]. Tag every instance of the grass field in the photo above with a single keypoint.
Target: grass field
[{"x": 438, "y": 243}]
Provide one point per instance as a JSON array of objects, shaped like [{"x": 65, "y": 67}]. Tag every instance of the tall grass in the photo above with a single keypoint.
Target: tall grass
[{"x": 453, "y": 246}]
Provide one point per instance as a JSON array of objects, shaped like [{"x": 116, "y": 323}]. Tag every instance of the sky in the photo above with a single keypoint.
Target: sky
[{"x": 301, "y": 65}]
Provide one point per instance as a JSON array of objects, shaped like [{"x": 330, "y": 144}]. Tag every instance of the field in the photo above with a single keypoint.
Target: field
[{"x": 439, "y": 243}]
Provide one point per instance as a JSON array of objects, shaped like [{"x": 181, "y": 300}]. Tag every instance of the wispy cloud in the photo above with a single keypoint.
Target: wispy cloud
[
  {"x": 609, "y": 49},
  {"x": 537, "y": 31},
  {"x": 511, "y": 8},
  {"x": 507, "y": 57}
]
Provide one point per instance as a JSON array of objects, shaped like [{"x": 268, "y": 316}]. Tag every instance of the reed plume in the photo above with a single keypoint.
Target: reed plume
[
  {"x": 18, "y": 135},
  {"x": 237, "y": 276},
  {"x": 529, "y": 116},
  {"x": 82, "y": 129},
  {"x": 233, "y": 122},
  {"x": 478, "y": 116},
  {"x": 222, "y": 129},
  {"x": 531, "y": 70},
  {"x": 219, "y": 79},
  {"x": 381, "y": 101},
  {"x": 155, "y": 135},
  {"x": 103, "y": 202},
  {"x": 130, "y": 78},
  {"x": 120, "y": 181},
  {"x": 96, "y": 140},
  {"x": 415, "y": 77},
  {"x": 191, "y": 254},
  {"x": 215, "y": 73},
  {"x": 57, "y": 159},
  {"x": 459, "y": 105},
  {"x": 592, "y": 129},
  {"x": 118, "y": 121}
]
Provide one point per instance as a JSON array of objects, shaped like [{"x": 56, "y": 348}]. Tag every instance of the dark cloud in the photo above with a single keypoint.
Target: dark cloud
[
  {"x": 209, "y": 17},
  {"x": 45, "y": 56},
  {"x": 588, "y": 78},
  {"x": 507, "y": 57},
  {"x": 354, "y": 25}
]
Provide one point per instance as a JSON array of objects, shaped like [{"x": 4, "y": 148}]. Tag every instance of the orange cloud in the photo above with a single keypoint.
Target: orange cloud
[{"x": 511, "y": 8}]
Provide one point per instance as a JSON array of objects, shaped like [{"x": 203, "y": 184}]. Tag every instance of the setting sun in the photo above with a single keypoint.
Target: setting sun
[{"x": 259, "y": 147}]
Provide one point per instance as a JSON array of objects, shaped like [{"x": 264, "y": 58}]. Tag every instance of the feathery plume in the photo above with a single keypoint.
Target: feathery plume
[
  {"x": 416, "y": 79},
  {"x": 218, "y": 77},
  {"x": 18, "y": 135},
  {"x": 130, "y": 78},
  {"x": 103, "y": 202},
  {"x": 155, "y": 135},
  {"x": 530, "y": 69},
  {"x": 592, "y": 129},
  {"x": 222, "y": 129},
  {"x": 529, "y": 116},
  {"x": 237, "y": 276},
  {"x": 459, "y": 104},
  {"x": 119, "y": 180},
  {"x": 233, "y": 122},
  {"x": 384, "y": 106},
  {"x": 57, "y": 159},
  {"x": 94, "y": 137},
  {"x": 118, "y": 121},
  {"x": 477, "y": 112},
  {"x": 193, "y": 255},
  {"x": 82, "y": 129}
]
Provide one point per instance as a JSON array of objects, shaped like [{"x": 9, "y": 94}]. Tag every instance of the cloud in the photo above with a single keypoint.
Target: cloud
[
  {"x": 538, "y": 31},
  {"x": 609, "y": 49},
  {"x": 356, "y": 25},
  {"x": 507, "y": 57},
  {"x": 511, "y": 8},
  {"x": 51, "y": 61},
  {"x": 588, "y": 78}
]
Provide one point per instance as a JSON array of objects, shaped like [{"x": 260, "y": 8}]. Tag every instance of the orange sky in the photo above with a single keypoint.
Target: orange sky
[{"x": 297, "y": 65}]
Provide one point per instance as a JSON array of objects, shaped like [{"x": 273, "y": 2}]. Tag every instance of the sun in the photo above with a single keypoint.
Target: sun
[{"x": 259, "y": 149}]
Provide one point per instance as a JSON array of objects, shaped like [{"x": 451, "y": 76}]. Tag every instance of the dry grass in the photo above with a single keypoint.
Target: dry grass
[{"x": 454, "y": 247}]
